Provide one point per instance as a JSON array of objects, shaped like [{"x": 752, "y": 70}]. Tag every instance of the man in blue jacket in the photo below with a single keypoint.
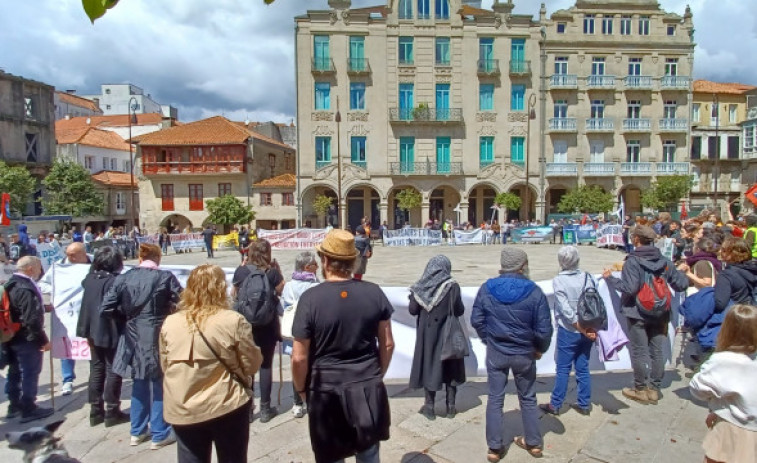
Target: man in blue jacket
[{"x": 511, "y": 316}]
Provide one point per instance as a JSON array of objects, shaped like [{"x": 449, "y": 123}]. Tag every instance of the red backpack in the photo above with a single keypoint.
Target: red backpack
[
  {"x": 8, "y": 328},
  {"x": 654, "y": 299}
]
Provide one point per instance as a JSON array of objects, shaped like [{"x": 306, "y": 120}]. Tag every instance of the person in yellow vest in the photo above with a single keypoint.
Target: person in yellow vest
[{"x": 751, "y": 233}]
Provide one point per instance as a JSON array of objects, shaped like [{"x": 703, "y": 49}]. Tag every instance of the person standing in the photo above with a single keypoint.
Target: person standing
[
  {"x": 434, "y": 298},
  {"x": 628, "y": 225},
  {"x": 738, "y": 280},
  {"x": 208, "y": 235},
  {"x": 144, "y": 296},
  {"x": 365, "y": 251},
  {"x": 342, "y": 349},
  {"x": 88, "y": 238},
  {"x": 208, "y": 358},
  {"x": 511, "y": 316},
  {"x": 76, "y": 235},
  {"x": 646, "y": 336},
  {"x": 26, "y": 349},
  {"x": 574, "y": 342},
  {"x": 102, "y": 335},
  {"x": 164, "y": 240},
  {"x": 244, "y": 241}
]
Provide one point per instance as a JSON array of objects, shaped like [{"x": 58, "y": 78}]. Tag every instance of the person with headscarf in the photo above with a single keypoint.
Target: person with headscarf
[{"x": 433, "y": 298}]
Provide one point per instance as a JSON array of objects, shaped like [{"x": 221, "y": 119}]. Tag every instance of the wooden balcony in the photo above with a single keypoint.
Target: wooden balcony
[{"x": 218, "y": 167}]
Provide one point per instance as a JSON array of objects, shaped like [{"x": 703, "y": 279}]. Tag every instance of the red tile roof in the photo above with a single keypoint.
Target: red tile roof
[
  {"x": 468, "y": 10},
  {"x": 79, "y": 101},
  {"x": 280, "y": 181},
  {"x": 90, "y": 136},
  {"x": 215, "y": 130},
  {"x": 731, "y": 88},
  {"x": 116, "y": 120},
  {"x": 115, "y": 179}
]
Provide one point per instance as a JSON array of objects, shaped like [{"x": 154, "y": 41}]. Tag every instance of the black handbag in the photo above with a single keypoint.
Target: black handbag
[
  {"x": 591, "y": 308},
  {"x": 454, "y": 338}
]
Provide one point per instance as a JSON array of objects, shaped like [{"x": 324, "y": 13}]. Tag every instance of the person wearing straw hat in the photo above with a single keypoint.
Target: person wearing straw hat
[{"x": 342, "y": 348}]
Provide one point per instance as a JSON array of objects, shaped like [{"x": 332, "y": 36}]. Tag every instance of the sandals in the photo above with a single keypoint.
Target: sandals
[{"x": 533, "y": 450}]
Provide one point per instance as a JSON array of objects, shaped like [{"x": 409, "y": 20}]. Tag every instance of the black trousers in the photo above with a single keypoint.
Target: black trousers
[
  {"x": 103, "y": 383},
  {"x": 266, "y": 371},
  {"x": 230, "y": 433}
]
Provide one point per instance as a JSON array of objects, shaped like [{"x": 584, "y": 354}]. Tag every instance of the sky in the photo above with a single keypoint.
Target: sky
[{"x": 236, "y": 58}]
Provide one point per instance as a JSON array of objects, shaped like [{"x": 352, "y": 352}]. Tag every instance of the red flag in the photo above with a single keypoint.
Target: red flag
[
  {"x": 684, "y": 214},
  {"x": 751, "y": 194},
  {"x": 5, "y": 210}
]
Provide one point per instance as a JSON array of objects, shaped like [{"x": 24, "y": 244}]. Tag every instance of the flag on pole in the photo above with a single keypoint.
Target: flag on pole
[{"x": 5, "y": 210}]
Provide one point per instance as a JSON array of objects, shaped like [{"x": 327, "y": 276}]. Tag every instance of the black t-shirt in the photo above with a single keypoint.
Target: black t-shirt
[{"x": 341, "y": 318}]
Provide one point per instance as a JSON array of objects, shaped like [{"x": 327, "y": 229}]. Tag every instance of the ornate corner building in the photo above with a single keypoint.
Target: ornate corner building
[{"x": 462, "y": 103}]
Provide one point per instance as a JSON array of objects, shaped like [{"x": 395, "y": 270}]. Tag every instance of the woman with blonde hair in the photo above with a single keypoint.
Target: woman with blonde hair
[{"x": 208, "y": 358}]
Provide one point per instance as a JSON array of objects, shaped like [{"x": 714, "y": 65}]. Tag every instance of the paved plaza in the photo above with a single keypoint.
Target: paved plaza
[{"x": 618, "y": 430}]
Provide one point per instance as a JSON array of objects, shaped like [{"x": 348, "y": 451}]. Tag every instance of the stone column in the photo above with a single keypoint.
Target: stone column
[
  {"x": 425, "y": 211},
  {"x": 383, "y": 213},
  {"x": 463, "y": 213}
]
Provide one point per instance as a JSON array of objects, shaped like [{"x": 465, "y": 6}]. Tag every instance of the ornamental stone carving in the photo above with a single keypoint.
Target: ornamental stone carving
[
  {"x": 359, "y": 130},
  {"x": 518, "y": 131},
  {"x": 497, "y": 21},
  {"x": 655, "y": 59},
  {"x": 333, "y": 17},
  {"x": 323, "y": 130},
  {"x": 325, "y": 172},
  {"x": 353, "y": 172},
  {"x": 492, "y": 170},
  {"x": 486, "y": 117},
  {"x": 346, "y": 17},
  {"x": 517, "y": 117},
  {"x": 406, "y": 71},
  {"x": 322, "y": 116},
  {"x": 357, "y": 116},
  {"x": 487, "y": 130}
]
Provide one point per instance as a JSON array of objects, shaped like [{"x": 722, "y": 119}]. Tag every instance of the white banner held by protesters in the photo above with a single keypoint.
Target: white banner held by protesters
[
  {"x": 49, "y": 253},
  {"x": 412, "y": 237},
  {"x": 468, "y": 237},
  {"x": 295, "y": 238}
]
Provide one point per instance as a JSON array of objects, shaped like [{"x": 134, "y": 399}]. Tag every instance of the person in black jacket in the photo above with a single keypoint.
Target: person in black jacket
[
  {"x": 24, "y": 352},
  {"x": 738, "y": 280},
  {"x": 364, "y": 249},
  {"x": 646, "y": 337},
  {"x": 102, "y": 335}
]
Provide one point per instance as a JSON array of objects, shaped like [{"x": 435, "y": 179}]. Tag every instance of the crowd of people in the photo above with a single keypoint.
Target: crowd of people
[{"x": 192, "y": 353}]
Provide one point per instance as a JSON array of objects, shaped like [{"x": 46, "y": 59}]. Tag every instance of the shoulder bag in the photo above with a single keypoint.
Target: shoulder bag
[
  {"x": 454, "y": 338},
  {"x": 234, "y": 375}
]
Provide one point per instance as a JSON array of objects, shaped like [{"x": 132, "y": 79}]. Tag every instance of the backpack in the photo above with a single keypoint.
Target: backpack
[
  {"x": 654, "y": 299},
  {"x": 591, "y": 308},
  {"x": 8, "y": 328},
  {"x": 255, "y": 299},
  {"x": 15, "y": 251}
]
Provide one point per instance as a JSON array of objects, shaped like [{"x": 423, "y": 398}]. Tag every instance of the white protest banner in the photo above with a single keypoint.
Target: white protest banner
[
  {"x": 66, "y": 299},
  {"x": 49, "y": 253},
  {"x": 666, "y": 247},
  {"x": 412, "y": 237},
  {"x": 294, "y": 238},
  {"x": 468, "y": 237},
  {"x": 149, "y": 239},
  {"x": 183, "y": 241},
  {"x": 610, "y": 235}
]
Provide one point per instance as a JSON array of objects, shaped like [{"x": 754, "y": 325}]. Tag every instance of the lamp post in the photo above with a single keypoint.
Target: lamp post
[
  {"x": 339, "y": 211},
  {"x": 132, "y": 120},
  {"x": 531, "y": 116},
  {"x": 716, "y": 170}
]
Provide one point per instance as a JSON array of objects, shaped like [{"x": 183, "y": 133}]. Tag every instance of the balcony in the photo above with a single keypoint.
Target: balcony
[
  {"x": 520, "y": 68},
  {"x": 563, "y": 81},
  {"x": 600, "y": 82},
  {"x": 426, "y": 115},
  {"x": 562, "y": 169},
  {"x": 672, "y": 168},
  {"x": 562, "y": 124},
  {"x": 426, "y": 168},
  {"x": 599, "y": 169},
  {"x": 675, "y": 83},
  {"x": 362, "y": 164},
  {"x": 488, "y": 67},
  {"x": 635, "y": 168},
  {"x": 638, "y": 82},
  {"x": 639, "y": 124},
  {"x": 231, "y": 166},
  {"x": 600, "y": 124},
  {"x": 323, "y": 66},
  {"x": 674, "y": 125},
  {"x": 322, "y": 164},
  {"x": 358, "y": 66}
]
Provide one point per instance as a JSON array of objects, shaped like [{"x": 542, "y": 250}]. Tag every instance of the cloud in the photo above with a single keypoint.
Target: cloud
[{"x": 236, "y": 57}]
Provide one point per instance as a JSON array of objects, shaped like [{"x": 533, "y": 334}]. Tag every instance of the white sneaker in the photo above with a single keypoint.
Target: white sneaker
[
  {"x": 67, "y": 389},
  {"x": 298, "y": 411},
  {"x": 170, "y": 439},
  {"x": 136, "y": 440}
]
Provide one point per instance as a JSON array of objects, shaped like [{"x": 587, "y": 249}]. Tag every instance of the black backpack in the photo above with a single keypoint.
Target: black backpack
[
  {"x": 255, "y": 299},
  {"x": 591, "y": 308}
]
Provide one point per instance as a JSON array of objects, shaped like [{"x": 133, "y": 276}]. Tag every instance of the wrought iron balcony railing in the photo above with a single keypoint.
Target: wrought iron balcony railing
[
  {"x": 426, "y": 115},
  {"x": 488, "y": 67},
  {"x": 520, "y": 68},
  {"x": 358, "y": 66},
  {"x": 323, "y": 66}
]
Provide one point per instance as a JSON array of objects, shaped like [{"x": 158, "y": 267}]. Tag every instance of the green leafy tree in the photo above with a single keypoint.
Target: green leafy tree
[
  {"x": 321, "y": 204},
  {"x": 508, "y": 201},
  {"x": 69, "y": 189},
  {"x": 18, "y": 182},
  {"x": 228, "y": 210},
  {"x": 667, "y": 192},
  {"x": 408, "y": 199},
  {"x": 586, "y": 199}
]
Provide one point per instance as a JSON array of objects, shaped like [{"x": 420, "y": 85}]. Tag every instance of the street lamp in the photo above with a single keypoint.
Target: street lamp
[
  {"x": 531, "y": 116},
  {"x": 132, "y": 111},
  {"x": 716, "y": 170},
  {"x": 339, "y": 211}
]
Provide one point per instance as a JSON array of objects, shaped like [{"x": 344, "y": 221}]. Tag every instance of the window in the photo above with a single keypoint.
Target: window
[
  {"x": 406, "y": 9},
  {"x": 485, "y": 151},
  {"x": 634, "y": 66},
  {"x": 486, "y": 53},
  {"x": 406, "y": 50},
  {"x": 518, "y": 53},
  {"x": 671, "y": 29},
  {"x": 517, "y": 100},
  {"x": 322, "y": 96},
  {"x": 442, "y": 102},
  {"x": 671, "y": 66},
  {"x": 407, "y": 154},
  {"x": 607, "y": 25},
  {"x": 589, "y": 24},
  {"x": 669, "y": 109},
  {"x": 443, "y": 155},
  {"x": 669, "y": 151},
  {"x": 561, "y": 28},
  {"x": 695, "y": 112},
  {"x": 486, "y": 97},
  {"x": 598, "y": 66},
  {"x": 597, "y": 151},
  {"x": 561, "y": 65},
  {"x": 633, "y": 151},
  {"x": 442, "y": 9},
  {"x": 749, "y": 139},
  {"x": 712, "y": 147},
  {"x": 357, "y": 53},
  {"x": 107, "y": 106},
  {"x": 322, "y": 151},
  {"x": 597, "y": 109},
  {"x": 195, "y": 197},
  {"x": 357, "y": 95},
  {"x": 424, "y": 9},
  {"x": 442, "y": 51},
  {"x": 266, "y": 199},
  {"x": 121, "y": 202},
  {"x": 634, "y": 109},
  {"x": 107, "y": 91},
  {"x": 714, "y": 112},
  {"x": 287, "y": 199},
  {"x": 406, "y": 101},
  {"x": 625, "y": 25},
  {"x": 113, "y": 164},
  {"x": 560, "y": 151},
  {"x": 643, "y": 25},
  {"x": 89, "y": 162},
  {"x": 561, "y": 108},
  {"x": 30, "y": 109},
  {"x": 733, "y": 147},
  {"x": 166, "y": 196},
  {"x": 105, "y": 163},
  {"x": 696, "y": 148},
  {"x": 224, "y": 189},
  {"x": 357, "y": 150},
  {"x": 732, "y": 113},
  {"x": 31, "y": 147},
  {"x": 516, "y": 149},
  {"x": 126, "y": 166},
  {"x": 321, "y": 57}
]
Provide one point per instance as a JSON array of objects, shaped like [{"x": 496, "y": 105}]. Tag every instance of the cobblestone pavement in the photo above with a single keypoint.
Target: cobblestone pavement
[{"x": 617, "y": 431}]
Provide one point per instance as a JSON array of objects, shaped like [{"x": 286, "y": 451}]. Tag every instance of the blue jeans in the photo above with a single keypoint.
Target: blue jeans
[
  {"x": 572, "y": 349},
  {"x": 498, "y": 366},
  {"x": 147, "y": 406},
  {"x": 67, "y": 370},
  {"x": 24, "y": 367},
  {"x": 369, "y": 455}
]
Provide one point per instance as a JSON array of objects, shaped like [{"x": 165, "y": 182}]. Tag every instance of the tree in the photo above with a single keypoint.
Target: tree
[
  {"x": 408, "y": 199},
  {"x": 18, "y": 182},
  {"x": 667, "y": 192},
  {"x": 229, "y": 210},
  {"x": 69, "y": 189},
  {"x": 586, "y": 199},
  {"x": 97, "y": 8},
  {"x": 322, "y": 204},
  {"x": 507, "y": 201}
]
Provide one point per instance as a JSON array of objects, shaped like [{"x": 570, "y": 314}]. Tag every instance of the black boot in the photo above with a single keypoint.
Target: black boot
[
  {"x": 96, "y": 414},
  {"x": 451, "y": 393},
  {"x": 427, "y": 409},
  {"x": 267, "y": 412},
  {"x": 114, "y": 416}
]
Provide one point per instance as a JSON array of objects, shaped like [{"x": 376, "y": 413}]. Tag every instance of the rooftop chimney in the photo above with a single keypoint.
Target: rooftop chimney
[{"x": 71, "y": 92}]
